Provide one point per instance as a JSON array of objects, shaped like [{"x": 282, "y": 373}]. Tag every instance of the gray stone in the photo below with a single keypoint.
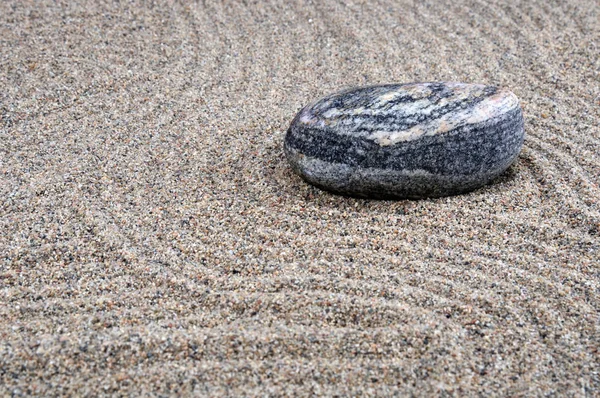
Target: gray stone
[{"x": 406, "y": 140}]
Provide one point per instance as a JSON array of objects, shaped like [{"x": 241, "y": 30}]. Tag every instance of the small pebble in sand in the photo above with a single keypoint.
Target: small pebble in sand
[{"x": 406, "y": 140}]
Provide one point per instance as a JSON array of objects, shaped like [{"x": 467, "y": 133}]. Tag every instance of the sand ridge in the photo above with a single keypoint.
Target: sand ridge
[{"x": 154, "y": 240}]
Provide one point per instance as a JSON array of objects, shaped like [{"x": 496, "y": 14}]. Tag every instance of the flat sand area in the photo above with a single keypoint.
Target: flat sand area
[{"x": 154, "y": 240}]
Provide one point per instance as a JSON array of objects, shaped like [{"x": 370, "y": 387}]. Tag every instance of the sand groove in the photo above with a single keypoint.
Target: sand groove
[{"x": 155, "y": 241}]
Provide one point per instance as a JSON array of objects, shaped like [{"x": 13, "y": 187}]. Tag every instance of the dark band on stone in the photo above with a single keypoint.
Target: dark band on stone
[{"x": 483, "y": 144}]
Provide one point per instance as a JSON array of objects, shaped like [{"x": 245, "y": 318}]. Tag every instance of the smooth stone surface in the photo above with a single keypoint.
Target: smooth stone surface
[{"x": 406, "y": 140}]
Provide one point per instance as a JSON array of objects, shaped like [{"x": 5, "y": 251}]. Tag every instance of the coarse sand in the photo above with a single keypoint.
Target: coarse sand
[{"x": 155, "y": 242}]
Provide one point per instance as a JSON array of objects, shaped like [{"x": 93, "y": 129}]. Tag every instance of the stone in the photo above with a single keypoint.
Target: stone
[{"x": 413, "y": 140}]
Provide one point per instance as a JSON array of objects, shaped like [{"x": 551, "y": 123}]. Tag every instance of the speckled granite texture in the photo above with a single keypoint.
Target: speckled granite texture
[{"x": 406, "y": 140}]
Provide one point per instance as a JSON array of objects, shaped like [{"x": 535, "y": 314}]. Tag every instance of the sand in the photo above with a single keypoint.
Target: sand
[{"x": 155, "y": 242}]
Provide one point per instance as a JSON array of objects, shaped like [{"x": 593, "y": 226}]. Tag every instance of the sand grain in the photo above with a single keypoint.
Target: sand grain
[{"x": 154, "y": 239}]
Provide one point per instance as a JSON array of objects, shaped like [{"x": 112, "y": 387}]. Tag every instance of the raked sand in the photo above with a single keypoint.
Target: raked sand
[{"x": 154, "y": 241}]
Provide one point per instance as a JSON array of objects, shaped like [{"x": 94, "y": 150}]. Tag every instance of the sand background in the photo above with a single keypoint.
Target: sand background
[{"x": 154, "y": 240}]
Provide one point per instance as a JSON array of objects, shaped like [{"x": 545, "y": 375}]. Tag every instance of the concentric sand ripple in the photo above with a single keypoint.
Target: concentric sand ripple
[{"x": 154, "y": 240}]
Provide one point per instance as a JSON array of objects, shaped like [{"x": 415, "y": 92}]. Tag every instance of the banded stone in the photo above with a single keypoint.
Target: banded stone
[{"x": 406, "y": 140}]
